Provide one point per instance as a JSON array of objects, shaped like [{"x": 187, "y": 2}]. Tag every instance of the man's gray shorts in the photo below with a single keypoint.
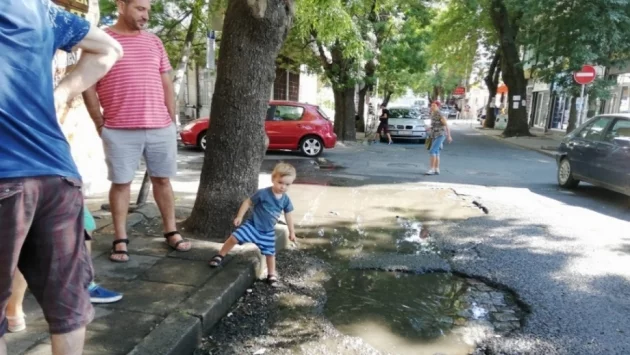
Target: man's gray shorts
[{"x": 124, "y": 148}]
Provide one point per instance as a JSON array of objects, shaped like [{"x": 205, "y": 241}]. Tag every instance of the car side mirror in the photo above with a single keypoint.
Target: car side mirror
[{"x": 623, "y": 142}]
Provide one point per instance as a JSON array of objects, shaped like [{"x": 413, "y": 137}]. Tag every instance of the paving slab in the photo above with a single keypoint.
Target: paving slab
[
  {"x": 130, "y": 270},
  {"x": 149, "y": 297},
  {"x": 180, "y": 272},
  {"x": 167, "y": 296}
]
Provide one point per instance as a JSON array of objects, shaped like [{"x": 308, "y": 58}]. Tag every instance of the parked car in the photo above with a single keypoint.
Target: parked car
[
  {"x": 597, "y": 152},
  {"x": 406, "y": 123},
  {"x": 448, "y": 111},
  {"x": 289, "y": 126}
]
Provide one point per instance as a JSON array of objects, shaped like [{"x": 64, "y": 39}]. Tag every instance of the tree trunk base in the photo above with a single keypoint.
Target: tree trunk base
[{"x": 252, "y": 38}]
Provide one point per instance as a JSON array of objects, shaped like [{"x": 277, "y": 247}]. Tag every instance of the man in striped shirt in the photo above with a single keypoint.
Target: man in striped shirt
[{"x": 137, "y": 119}]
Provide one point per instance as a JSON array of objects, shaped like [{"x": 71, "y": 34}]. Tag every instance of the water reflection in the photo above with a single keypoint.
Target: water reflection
[{"x": 415, "y": 307}]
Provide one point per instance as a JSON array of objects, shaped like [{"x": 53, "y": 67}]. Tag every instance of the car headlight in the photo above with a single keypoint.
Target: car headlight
[{"x": 418, "y": 127}]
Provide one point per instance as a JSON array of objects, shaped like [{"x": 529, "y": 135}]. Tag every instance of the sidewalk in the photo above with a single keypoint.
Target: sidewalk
[
  {"x": 170, "y": 298},
  {"x": 543, "y": 143}
]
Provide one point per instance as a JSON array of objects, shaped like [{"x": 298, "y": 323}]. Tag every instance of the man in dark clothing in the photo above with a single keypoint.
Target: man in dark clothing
[{"x": 383, "y": 126}]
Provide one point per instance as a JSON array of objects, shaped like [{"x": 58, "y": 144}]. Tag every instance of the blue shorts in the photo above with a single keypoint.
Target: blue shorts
[
  {"x": 436, "y": 146},
  {"x": 265, "y": 241},
  {"x": 88, "y": 221}
]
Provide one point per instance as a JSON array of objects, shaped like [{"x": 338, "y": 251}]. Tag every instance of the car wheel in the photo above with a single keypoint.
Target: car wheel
[
  {"x": 311, "y": 146},
  {"x": 202, "y": 140},
  {"x": 565, "y": 175}
]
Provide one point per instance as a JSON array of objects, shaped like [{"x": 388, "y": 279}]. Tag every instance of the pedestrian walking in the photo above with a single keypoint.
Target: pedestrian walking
[
  {"x": 383, "y": 126},
  {"x": 439, "y": 133},
  {"x": 137, "y": 120},
  {"x": 41, "y": 202},
  {"x": 267, "y": 205}
]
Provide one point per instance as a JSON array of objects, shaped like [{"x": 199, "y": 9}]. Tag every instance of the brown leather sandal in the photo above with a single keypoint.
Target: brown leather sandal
[{"x": 119, "y": 252}]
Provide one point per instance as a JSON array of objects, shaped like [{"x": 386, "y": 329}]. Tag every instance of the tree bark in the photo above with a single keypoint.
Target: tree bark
[
  {"x": 361, "y": 108},
  {"x": 492, "y": 82},
  {"x": 513, "y": 74},
  {"x": 345, "y": 114},
  {"x": 387, "y": 98},
  {"x": 253, "y": 33},
  {"x": 572, "y": 116}
]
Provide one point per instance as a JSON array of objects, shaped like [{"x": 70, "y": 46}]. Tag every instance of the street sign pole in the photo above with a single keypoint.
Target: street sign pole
[
  {"x": 581, "y": 105},
  {"x": 583, "y": 77}
]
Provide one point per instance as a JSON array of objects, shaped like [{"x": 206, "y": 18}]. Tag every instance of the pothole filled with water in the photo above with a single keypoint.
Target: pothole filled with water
[
  {"x": 404, "y": 313},
  {"x": 391, "y": 285}
]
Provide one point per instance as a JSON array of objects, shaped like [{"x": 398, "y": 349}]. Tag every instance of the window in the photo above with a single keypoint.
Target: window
[
  {"x": 621, "y": 129},
  {"x": 403, "y": 113},
  {"x": 287, "y": 113},
  {"x": 593, "y": 131},
  {"x": 280, "y": 85}
]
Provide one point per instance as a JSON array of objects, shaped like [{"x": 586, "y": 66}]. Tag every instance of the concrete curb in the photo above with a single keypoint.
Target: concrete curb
[{"x": 181, "y": 331}]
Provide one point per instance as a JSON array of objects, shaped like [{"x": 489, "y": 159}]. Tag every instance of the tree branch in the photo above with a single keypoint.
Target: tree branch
[
  {"x": 322, "y": 53},
  {"x": 177, "y": 23}
]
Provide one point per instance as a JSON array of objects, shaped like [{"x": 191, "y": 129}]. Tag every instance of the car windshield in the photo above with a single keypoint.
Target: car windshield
[{"x": 404, "y": 113}]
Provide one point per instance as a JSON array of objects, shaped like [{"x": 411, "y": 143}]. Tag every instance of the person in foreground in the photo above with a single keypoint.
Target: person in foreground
[
  {"x": 268, "y": 204},
  {"x": 439, "y": 133},
  {"x": 137, "y": 120},
  {"x": 98, "y": 294},
  {"x": 41, "y": 202}
]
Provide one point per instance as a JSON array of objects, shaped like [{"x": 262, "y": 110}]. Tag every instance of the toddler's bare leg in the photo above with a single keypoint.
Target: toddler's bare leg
[
  {"x": 228, "y": 245},
  {"x": 271, "y": 264}
]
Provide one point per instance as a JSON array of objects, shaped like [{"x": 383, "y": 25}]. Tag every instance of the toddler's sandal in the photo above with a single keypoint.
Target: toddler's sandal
[
  {"x": 272, "y": 280},
  {"x": 216, "y": 261}
]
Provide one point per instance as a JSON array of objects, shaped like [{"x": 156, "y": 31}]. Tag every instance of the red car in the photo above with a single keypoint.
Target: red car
[{"x": 289, "y": 126}]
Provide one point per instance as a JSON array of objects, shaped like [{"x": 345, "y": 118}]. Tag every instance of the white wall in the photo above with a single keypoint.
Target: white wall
[{"x": 308, "y": 87}]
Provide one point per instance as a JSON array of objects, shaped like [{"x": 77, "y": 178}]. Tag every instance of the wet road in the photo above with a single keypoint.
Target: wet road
[{"x": 566, "y": 254}]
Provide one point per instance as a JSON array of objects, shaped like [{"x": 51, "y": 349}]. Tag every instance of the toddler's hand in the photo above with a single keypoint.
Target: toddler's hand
[
  {"x": 292, "y": 237},
  {"x": 238, "y": 221}
]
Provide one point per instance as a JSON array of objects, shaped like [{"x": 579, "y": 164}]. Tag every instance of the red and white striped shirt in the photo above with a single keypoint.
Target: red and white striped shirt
[{"x": 131, "y": 94}]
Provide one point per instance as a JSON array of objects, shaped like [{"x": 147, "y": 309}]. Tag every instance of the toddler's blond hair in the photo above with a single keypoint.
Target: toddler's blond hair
[{"x": 283, "y": 169}]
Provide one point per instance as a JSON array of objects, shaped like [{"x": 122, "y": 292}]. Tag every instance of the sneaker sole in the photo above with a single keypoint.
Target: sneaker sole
[
  {"x": 106, "y": 300},
  {"x": 17, "y": 329}
]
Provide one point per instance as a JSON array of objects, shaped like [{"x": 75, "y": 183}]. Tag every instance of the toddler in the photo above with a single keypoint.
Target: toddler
[{"x": 268, "y": 204}]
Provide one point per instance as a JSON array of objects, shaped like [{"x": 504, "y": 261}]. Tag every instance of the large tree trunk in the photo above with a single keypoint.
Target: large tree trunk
[
  {"x": 572, "y": 116},
  {"x": 513, "y": 74},
  {"x": 492, "y": 82},
  {"x": 253, "y": 33},
  {"x": 339, "y": 74},
  {"x": 345, "y": 114},
  {"x": 387, "y": 98},
  {"x": 360, "y": 124}
]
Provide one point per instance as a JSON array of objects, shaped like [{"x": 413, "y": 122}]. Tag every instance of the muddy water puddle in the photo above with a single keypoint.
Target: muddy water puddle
[
  {"x": 369, "y": 244},
  {"x": 404, "y": 313}
]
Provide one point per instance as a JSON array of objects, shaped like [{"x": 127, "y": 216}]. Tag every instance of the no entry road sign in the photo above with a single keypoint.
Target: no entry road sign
[{"x": 586, "y": 75}]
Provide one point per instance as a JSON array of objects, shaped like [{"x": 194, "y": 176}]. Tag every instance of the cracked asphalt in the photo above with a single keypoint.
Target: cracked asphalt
[{"x": 566, "y": 254}]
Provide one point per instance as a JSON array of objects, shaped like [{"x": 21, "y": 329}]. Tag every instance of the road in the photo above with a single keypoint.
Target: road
[{"x": 566, "y": 254}]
